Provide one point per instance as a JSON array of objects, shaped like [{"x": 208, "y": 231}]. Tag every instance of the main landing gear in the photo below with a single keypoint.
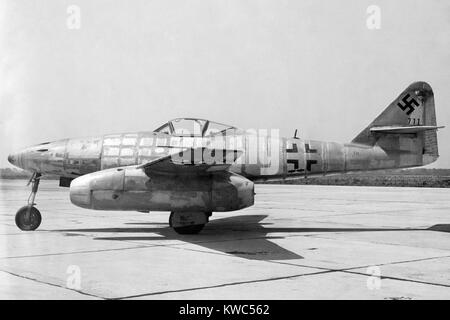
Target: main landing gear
[
  {"x": 29, "y": 218},
  {"x": 188, "y": 222}
]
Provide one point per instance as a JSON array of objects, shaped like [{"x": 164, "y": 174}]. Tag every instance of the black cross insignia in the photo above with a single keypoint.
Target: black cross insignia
[
  {"x": 309, "y": 163},
  {"x": 308, "y": 150},
  {"x": 295, "y": 162}
]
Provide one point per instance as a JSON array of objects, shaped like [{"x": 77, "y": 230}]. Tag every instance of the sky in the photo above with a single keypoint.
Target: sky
[{"x": 309, "y": 65}]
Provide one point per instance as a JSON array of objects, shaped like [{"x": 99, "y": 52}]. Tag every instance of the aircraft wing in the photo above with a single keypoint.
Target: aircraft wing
[{"x": 193, "y": 161}]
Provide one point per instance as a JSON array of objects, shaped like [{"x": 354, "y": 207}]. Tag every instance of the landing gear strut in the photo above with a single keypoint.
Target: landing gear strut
[
  {"x": 188, "y": 222},
  {"x": 29, "y": 218}
]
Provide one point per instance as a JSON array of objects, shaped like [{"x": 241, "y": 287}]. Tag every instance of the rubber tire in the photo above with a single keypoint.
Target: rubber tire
[
  {"x": 194, "y": 229},
  {"x": 35, "y": 219}
]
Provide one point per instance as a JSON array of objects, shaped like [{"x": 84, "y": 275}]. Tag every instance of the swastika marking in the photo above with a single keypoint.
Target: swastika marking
[{"x": 408, "y": 104}]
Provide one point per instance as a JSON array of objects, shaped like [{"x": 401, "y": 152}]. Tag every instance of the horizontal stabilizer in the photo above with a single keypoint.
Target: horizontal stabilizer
[{"x": 403, "y": 129}]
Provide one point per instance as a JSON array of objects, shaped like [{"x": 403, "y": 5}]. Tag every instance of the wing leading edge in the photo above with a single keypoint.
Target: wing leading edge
[{"x": 192, "y": 161}]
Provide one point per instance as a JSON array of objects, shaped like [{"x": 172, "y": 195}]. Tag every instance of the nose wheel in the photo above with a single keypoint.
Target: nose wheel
[{"x": 29, "y": 218}]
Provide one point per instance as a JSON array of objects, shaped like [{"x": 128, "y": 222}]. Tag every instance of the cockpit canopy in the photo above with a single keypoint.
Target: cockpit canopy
[{"x": 193, "y": 127}]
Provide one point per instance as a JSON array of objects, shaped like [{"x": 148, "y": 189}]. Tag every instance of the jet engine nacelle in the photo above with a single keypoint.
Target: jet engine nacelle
[{"x": 131, "y": 189}]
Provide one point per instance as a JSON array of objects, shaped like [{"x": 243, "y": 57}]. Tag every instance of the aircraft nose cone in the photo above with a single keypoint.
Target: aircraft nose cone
[{"x": 16, "y": 159}]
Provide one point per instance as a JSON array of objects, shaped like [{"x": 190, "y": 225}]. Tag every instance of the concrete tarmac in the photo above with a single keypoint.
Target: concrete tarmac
[{"x": 297, "y": 242}]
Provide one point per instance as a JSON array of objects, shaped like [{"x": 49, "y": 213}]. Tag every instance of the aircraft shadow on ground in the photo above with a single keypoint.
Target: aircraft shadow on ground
[{"x": 244, "y": 236}]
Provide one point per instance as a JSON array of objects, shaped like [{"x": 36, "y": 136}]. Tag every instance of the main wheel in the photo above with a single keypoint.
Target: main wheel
[
  {"x": 32, "y": 222},
  {"x": 194, "y": 229},
  {"x": 187, "y": 229}
]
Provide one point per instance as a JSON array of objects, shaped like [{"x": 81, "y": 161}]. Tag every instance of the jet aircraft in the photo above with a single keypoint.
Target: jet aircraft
[{"x": 193, "y": 167}]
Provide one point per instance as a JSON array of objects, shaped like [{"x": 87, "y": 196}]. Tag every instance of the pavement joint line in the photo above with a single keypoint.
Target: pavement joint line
[
  {"x": 368, "y": 265},
  {"x": 325, "y": 270},
  {"x": 402, "y": 279},
  {"x": 51, "y": 284},
  {"x": 175, "y": 246},
  {"x": 344, "y": 269},
  {"x": 73, "y": 252},
  {"x": 219, "y": 285},
  {"x": 321, "y": 236},
  {"x": 204, "y": 242},
  {"x": 348, "y": 270},
  {"x": 142, "y": 246}
]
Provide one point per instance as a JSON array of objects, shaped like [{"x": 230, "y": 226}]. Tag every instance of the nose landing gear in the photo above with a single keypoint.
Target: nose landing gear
[{"x": 29, "y": 218}]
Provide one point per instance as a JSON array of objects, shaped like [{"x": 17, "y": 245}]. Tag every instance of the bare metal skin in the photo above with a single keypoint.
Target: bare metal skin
[{"x": 212, "y": 167}]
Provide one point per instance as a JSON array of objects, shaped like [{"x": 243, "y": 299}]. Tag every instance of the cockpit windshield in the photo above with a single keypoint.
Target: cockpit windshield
[{"x": 192, "y": 127}]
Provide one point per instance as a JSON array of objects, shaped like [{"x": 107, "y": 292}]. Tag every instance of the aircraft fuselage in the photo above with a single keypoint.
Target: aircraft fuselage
[{"x": 263, "y": 157}]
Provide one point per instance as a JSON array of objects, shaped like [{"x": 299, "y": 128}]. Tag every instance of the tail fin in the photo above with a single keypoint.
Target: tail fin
[{"x": 408, "y": 125}]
